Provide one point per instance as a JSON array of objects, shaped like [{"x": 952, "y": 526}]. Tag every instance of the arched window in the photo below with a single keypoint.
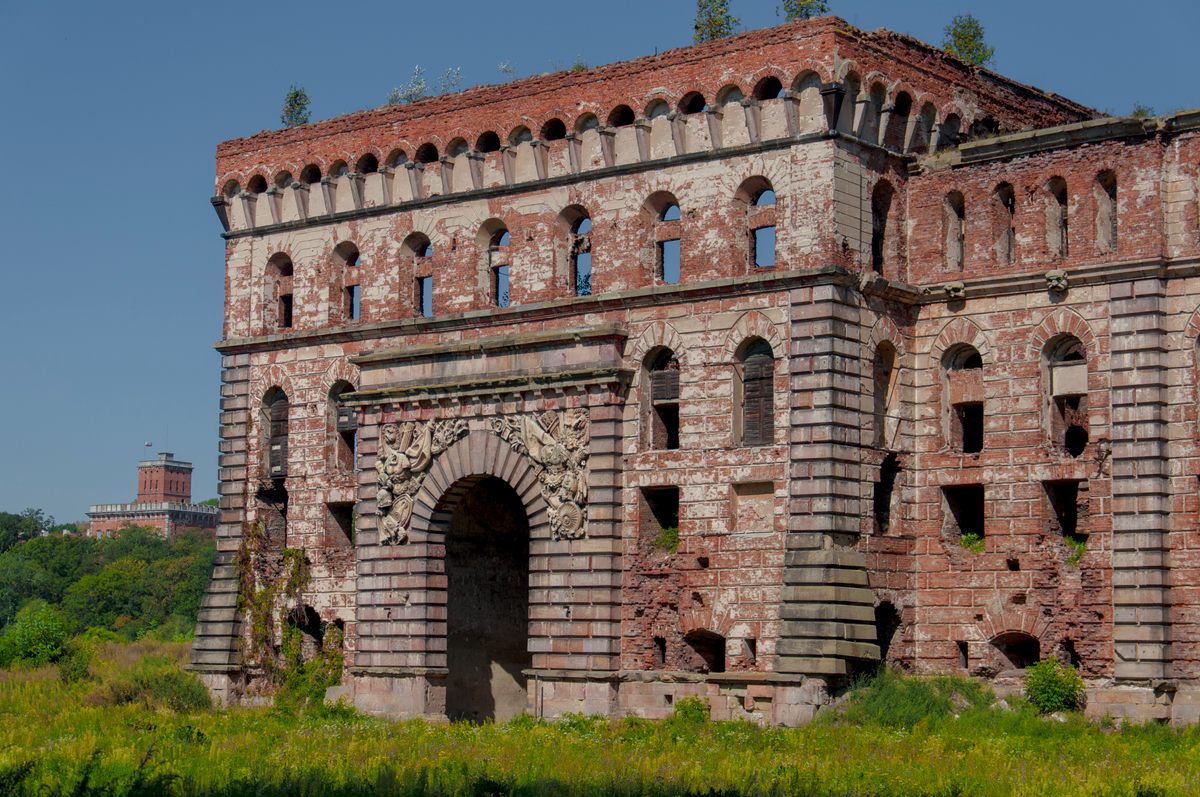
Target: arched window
[
  {"x": 257, "y": 184},
  {"x": 769, "y": 88},
  {"x": 520, "y": 135},
  {"x": 956, "y": 231},
  {"x": 755, "y": 394},
  {"x": 339, "y": 169},
  {"x": 1066, "y": 374},
  {"x": 275, "y": 417},
  {"x": 664, "y": 210},
  {"x": 1058, "y": 231},
  {"x": 1018, "y": 649},
  {"x": 586, "y": 122},
  {"x": 759, "y": 197},
  {"x": 495, "y": 239},
  {"x": 881, "y": 208},
  {"x": 488, "y": 141},
  {"x": 418, "y": 250},
  {"x": 728, "y": 95},
  {"x": 344, "y": 429},
  {"x": 1106, "y": 211},
  {"x": 578, "y": 227},
  {"x": 692, "y": 102},
  {"x": 657, "y": 108},
  {"x": 457, "y": 147},
  {"x": 396, "y": 159},
  {"x": 883, "y": 392},
  {"x": 868, "y": 128},
  {"x": 660, "y": 400},
  {"x": 554, "y": 130},
  {"x": 283, "y": 179},
  {"x": 367, "y": 164},
  {"x": 426, "y": 153},
  {"x": 963, "y": 370},
  {"x": 310, "y": 174},
  {"x": 621, "y": 116},
  {"x": 1005, "y": 204},
  {"x": 897, "y": 125},
  {"x": 923, "y": 129},
  {"x": 279, "y": 299},
  {"x": 948, "y": 133},
  {"x": 230, "y": 189},
  {"x": 346, "y": 255}
]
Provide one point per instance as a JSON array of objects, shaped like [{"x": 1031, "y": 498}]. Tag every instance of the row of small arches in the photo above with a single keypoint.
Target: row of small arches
[{"x": 868, "y": 125}]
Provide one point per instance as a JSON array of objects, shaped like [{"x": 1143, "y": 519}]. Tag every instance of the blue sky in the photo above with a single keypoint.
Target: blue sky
[{"x": 110, "y": 114}]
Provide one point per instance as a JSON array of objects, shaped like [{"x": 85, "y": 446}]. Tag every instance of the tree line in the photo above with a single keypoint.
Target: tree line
[{"x": 55, "y": 584}]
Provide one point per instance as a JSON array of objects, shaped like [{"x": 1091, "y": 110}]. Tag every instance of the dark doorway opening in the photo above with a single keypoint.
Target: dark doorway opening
[{"x": 487, "y": 623}]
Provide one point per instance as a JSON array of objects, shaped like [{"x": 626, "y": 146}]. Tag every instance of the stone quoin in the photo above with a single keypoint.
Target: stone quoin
[{"x": 726, "y": 372}]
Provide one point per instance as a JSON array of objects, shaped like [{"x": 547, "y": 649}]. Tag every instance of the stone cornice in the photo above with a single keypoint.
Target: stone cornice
[
  {"x": 517, "y": 340},
  {"x": 489, "y": 384},
  {"x": 544, "y": 311},
  {"x": 1046, "y": 139}
]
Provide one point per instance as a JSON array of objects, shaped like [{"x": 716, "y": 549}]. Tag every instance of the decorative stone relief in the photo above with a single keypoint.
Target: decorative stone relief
[
  {"x": 1056, "y": 281},
  {"x": 405, "y": 453},
  {"x": 558, "y": 445}
]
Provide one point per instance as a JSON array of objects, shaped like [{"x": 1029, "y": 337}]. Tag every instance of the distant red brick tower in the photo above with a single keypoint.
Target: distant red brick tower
[{"x": 164, "y": 502}]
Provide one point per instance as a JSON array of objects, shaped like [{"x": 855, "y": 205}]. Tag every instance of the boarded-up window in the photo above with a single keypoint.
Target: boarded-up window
[{"x": 758, "y": 415}]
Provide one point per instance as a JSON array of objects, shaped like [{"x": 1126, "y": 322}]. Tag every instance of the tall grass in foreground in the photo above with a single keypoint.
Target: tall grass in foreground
[{"x": 893, "y": 736}]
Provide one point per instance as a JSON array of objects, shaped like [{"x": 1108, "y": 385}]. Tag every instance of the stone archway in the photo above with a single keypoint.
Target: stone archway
[{"x": 486, "y": 532}]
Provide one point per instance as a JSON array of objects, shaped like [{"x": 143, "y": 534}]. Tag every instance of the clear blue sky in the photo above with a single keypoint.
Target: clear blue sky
[{"x": 110, "y": 113}]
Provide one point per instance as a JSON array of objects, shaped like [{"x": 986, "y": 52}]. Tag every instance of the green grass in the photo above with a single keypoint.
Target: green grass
[{"x": 892, "y": 736}]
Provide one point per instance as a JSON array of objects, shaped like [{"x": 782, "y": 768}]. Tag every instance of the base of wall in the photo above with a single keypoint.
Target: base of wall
[{"x": 763, "y": 698}]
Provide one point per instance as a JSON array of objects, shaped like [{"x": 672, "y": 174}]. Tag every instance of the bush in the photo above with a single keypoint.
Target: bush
[
  {"x": 36, "y": 636},
  {"x": 156, "y": 682},
  {"x": 897, "y": 701},
  {"x": 77, "y": 663},
  {"x": 1052, "y": 686},
  {"x": 691, "y": 711}
]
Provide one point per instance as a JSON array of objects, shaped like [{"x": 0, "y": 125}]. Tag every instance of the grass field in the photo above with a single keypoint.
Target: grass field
[{"x": 116, "y": 733}]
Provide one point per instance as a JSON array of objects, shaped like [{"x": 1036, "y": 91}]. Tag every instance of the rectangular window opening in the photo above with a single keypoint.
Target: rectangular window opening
[
  {"x": 764, "y": 247},
  {"x": 665, "y": 427},
  {"x": 964, "y": 508},
  {"x": 660, "y": 651},
  {"x": 425, "y": 296},
  {"x": 353, "y": 308},
  {"x": 582, "y": 273},
  {"x": 751, "y": 650},
  {"x": 500, "y": 286},
  {"x": 659, "y": 519},
  {"x": 1068, "y": 515},
  {"x": 285, "y": 311},
  {"x": 668, "y": 261},
  {"x": 964, "y": 660},
  {"x": 968, "y": 427},
  {"x": 341, "y": 520}
]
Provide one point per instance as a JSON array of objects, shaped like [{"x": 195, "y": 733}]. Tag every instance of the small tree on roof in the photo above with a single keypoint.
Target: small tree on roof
[
  {"x": 803, "y": 9},
  {"x": 713, "y": 20},
  {"x": 964, "y": 40},
  {"x": 295, "y": 107}
]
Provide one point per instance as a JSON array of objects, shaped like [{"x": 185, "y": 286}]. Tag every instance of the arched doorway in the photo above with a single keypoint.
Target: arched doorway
[{"x": 487, "y": 600}]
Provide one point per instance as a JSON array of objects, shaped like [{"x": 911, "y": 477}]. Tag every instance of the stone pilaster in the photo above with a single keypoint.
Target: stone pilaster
[
  {"x": 827, "y": 612},
  {"x": 1141, "y": 482}
]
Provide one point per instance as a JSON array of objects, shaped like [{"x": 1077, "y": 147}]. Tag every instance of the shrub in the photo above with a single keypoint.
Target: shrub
[
  {"x": 971, "y": 541},
  {"x": 36, "y": 636},
  {"x": 156, "y": 682},
  {"x": 691, "y": 711},
  {"x": 896, "y": 701},
  {"x": 1052, "y": 686},
  {"x": 76, "y": 664}
]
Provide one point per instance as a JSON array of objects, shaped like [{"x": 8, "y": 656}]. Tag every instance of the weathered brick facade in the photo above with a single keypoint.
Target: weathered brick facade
[{"x": 924, "y": 386}]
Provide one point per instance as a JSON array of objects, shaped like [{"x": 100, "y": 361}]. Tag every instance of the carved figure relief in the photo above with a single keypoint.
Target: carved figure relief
[
  {"x": 405, "y": 453},
  {"x": 558, "y": 445}
]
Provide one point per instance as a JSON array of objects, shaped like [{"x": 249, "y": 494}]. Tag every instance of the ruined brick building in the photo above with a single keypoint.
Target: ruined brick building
[{"x": 724, "y": 372}]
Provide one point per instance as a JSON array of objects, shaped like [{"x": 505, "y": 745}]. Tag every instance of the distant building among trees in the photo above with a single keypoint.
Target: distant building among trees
[{"x": 164, "y": 502}]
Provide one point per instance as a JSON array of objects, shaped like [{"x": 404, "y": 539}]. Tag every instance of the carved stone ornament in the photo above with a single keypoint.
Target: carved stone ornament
[
  {"x": 405, "y": 453},
  {"x": 955, "y": 290},
  {"x": 558, "y": 445},
  {"x": 1056, "y": 280}
]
